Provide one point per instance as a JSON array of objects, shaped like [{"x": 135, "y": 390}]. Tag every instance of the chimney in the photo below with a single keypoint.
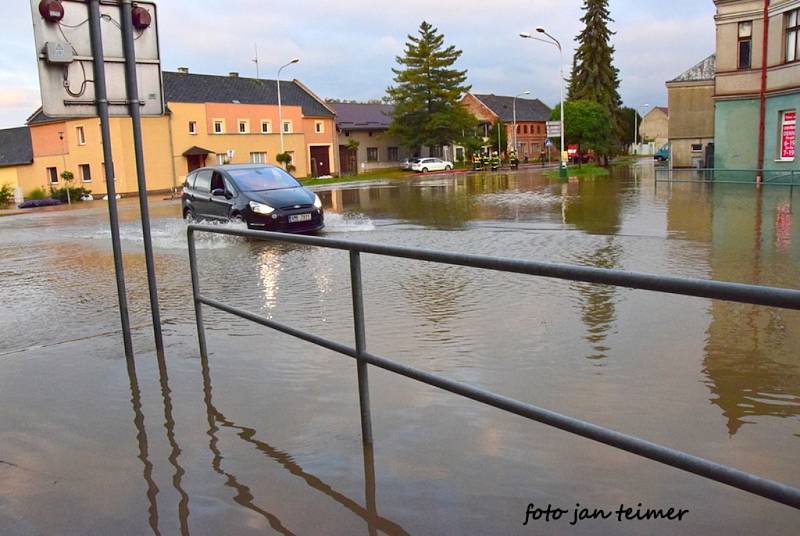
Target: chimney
[
  {"x": 183, "y": 70},
  {"x": 233, "y": 74}
]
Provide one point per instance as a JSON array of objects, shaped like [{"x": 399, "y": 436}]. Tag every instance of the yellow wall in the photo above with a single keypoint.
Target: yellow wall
[
  {"x": 50, "y": 151},
  {"x": 9, "y": 175}
]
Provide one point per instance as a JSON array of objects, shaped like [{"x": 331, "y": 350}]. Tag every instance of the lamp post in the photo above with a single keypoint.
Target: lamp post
[
  {"x": 555, "y": 42},
  {"x": 636, "y": 126},
  {"x": 514, "y": 109},
  {"x": 280, "y": 111}
]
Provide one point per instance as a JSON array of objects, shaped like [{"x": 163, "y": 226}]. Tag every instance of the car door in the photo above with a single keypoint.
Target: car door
[
  {"x": 220, "y": 205},
  {"x": 201, "y": 194},
  {"x": 436, "y": 165}
]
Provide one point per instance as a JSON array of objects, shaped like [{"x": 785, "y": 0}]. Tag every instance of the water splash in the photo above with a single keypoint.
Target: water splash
[
  {"x": 171, "y": 234},
  {"x": 348, "y": 222}
]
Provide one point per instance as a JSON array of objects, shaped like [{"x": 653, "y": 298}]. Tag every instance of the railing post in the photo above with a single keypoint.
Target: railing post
[
  {"x": 198, "y": 307},
  {"x": 361, "y": 346}
]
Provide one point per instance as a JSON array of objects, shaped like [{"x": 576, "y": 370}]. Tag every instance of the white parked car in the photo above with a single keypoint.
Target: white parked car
[
  {"x": 410, "y": 162},
  {"x": 431, "y": 164}
]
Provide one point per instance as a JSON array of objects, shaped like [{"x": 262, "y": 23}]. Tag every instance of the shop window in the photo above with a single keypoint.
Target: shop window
[{"x": 788, "y": 135}]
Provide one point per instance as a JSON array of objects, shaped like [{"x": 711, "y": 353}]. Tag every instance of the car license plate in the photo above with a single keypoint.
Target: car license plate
[{"x": 299, "y": 217}]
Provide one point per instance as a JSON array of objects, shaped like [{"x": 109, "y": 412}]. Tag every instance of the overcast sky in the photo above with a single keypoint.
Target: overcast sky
[{"x": 347, "y": 48}]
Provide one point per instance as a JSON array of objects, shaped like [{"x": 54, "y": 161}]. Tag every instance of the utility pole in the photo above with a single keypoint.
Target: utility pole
[
  {"x": 280, "y": 111},
  {"x": 255, "y": 60}
]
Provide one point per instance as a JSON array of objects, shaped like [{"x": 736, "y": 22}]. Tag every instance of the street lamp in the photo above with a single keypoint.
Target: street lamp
[
  {"x": 555, "y": 42},
  {"x": 514, "y": 108},
  {"x": 636, "y": 126},
  {"x": 280, "y": 111}
]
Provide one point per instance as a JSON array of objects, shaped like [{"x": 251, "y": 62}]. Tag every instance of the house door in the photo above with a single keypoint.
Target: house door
[
  {"x": 321, "y": 160},
  {"x": 195, "y": 161},
  {"x": 348, "y": 160}
]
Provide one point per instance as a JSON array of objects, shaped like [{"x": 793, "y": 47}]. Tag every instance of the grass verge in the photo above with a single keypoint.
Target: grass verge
[{"x": 584, "y": 170}]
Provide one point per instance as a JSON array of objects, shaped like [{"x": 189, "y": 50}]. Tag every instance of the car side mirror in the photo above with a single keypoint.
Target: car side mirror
[{"x": 218, "y": 192}]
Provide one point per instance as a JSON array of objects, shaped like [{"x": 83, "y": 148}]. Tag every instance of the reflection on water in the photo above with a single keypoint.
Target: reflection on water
[
  {"x": 441, "y": 464},
  {"x": 752, "y": 361}
]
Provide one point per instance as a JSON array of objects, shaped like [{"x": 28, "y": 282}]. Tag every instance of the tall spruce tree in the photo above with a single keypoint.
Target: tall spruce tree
[
  {"x": 594, "y": 77},
  {"x": 427, "y": 92}
]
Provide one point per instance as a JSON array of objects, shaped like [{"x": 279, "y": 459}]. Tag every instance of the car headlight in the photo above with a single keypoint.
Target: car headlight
[
  {"x": 261, "y": 208},
  {"x": 317, "y": 201}
]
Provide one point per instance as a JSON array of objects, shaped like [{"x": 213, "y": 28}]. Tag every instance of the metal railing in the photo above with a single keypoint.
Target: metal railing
[
  {"x": 734, "y": 292},
  {"x": 775, "y": 177}
]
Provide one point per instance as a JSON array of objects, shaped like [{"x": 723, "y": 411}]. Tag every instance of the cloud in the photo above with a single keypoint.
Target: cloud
[{"x": 348, "y": 49}]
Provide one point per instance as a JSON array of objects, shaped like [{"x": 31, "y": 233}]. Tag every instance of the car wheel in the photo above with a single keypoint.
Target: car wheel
[
  {"x": 188, "y": 216},
  {"x": 424, "y": 170},
  {"x": 447, "y": 168}
]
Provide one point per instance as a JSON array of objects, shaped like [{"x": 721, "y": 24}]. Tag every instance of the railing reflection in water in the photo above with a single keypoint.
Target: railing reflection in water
[{"x": 733, "y": 292}]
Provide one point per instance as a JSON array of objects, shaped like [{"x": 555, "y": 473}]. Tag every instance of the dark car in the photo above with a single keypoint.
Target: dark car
[{"x": 264, "y": 197}]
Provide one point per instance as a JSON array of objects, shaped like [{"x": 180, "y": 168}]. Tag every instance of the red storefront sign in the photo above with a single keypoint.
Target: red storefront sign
[{"x": 788, "y": 135}]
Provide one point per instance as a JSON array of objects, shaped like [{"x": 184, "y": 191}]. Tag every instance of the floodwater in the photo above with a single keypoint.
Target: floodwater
[{"x": 264, "y": 436}]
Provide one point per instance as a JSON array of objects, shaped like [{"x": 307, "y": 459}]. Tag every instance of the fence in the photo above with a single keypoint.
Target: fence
[
  {"x": 722, "y": 176},
  {"x": 735, "y": 292}
]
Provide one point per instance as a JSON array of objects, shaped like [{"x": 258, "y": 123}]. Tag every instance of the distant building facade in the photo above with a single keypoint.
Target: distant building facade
[
  {"x": 366, "y": 125},
  {"x": 655, "y": 127},
  {"x": 531, "y": 114},
  {"x": 691, "y": 115},
  {"x": 757, "y": 99}
]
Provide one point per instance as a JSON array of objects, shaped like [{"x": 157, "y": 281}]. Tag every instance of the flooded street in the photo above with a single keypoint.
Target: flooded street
[{"x": 266, "y": 438}]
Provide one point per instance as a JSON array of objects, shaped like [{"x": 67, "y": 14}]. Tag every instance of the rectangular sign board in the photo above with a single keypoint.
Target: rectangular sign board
[
  {"x": 64, "y": 54},
  {"x": 553, "y": 129}
]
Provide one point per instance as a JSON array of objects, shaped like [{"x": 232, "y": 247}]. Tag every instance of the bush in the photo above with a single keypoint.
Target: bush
[
  {"x": 37, "y": 193},
  {"x": 75, "y": 193},
  {"x": 6, "y": 195}
]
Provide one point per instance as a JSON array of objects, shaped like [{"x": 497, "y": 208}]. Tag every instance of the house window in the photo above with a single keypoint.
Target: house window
[
  {"x": 265, "y": 127},
  {"x": 792, "y": 34},
  {"x": 525, "y": 129},
  {"x": 221, "y": 158},
  {"x": 372, "y": 154},
  {"x": 319, "y": 127},
  {"x": 788, "y": 135},
  {"x": 244, "y": 126},
  {"x": 81, "y": 135},
  {"x": 287, "y": 127},
  {"x": 219, "y": 126},
  {"x": 697, "y": 147},
  {"x": 393, "y": 154},
  {"x": 192, "y": 127},
  {"x": 52, "y": 175},
  {"x": 86, "y": 172},
  {"x": 519, "y": 129},
  {"x": 258, "y": 158},
  {"x": 745, "y": 44}
]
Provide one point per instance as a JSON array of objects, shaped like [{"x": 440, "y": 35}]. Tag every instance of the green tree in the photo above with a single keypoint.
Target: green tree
[
  {"x": 588, "y": 125},
  {"x": 427, "y": 92},
  {"x": 630, "y": 118},
  {"x": 594, "y": 77}
]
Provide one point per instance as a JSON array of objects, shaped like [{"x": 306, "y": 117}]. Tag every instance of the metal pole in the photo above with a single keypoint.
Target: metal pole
[
  {"x": 280, "y": 111},
  {"x": 198, "y": 306},
  {"x": 132, "y": 87},
  {"x": 361, "y": 346},
  {"x": 563, "y": 166},
  {"x": 514, "y": 125},
  {"x": 101, "y": 97}
]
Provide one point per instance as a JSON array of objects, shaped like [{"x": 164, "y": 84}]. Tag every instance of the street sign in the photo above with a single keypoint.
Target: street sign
[
  {"x": 64, "y": 54},
  {"x": 572, "y": 150},
  {"x": 553, "y": 129},
  {"x": 548, "y": 142}
]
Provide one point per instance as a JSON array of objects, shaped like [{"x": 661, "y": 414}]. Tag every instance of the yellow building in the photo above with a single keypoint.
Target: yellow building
[
  {"x": 16, "y": 153},
  {"x": 210, "y": 120}
]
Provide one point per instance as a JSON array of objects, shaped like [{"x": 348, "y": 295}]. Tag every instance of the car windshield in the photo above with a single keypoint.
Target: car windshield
[{"x": 262, "y": 178}]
